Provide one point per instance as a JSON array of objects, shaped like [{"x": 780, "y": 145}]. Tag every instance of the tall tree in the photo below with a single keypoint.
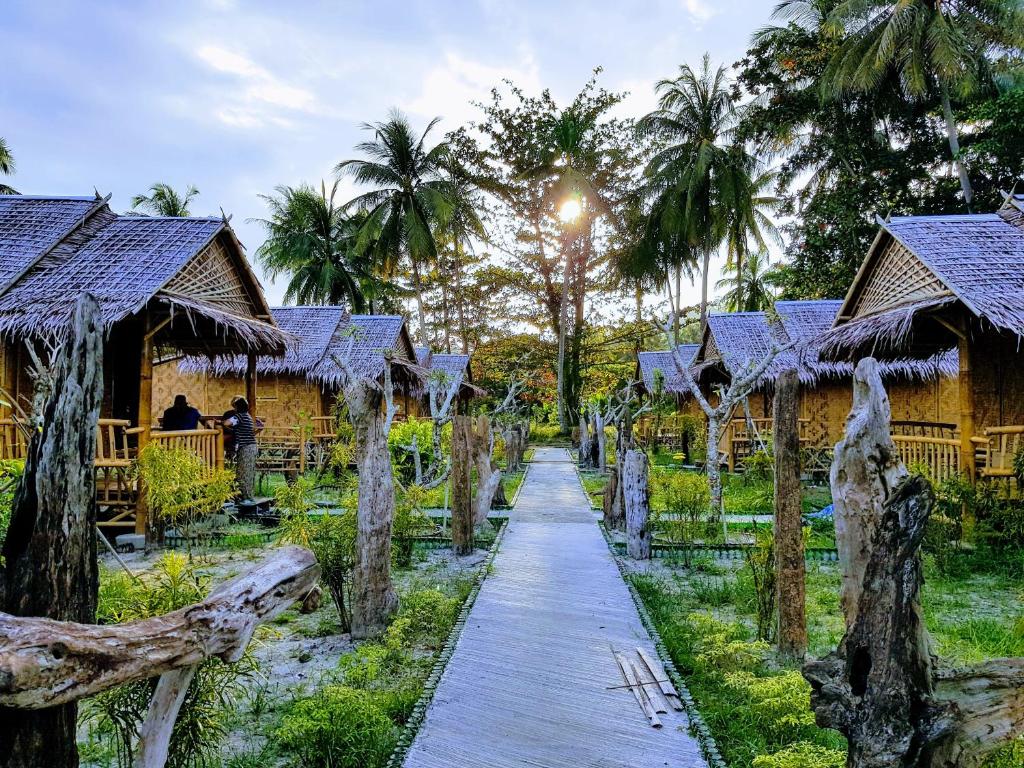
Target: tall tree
[
  {"x": 406, "y": 182},
  {"x": 750, "y": 288},
  {"x": 313, "y": 241},
  {"x": 700, "y": 183},
  {"x": 6, "y": 167},
  {"x": 928, "y": 45},
  {"x": 164, "y": 200}
]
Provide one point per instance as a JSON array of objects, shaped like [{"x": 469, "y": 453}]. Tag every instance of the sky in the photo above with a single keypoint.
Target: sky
[{"x": 238, "y": 97}]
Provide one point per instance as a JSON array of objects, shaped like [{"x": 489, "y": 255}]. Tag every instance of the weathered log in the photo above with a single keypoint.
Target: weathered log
[
  {"x": 461, "y": 491},
  {"x": 488, "y": 475},
  {"x": 45, "y": 663},
  {"x": 50, "y": 550},
  {"x": 638, "y": 505},
  {"x": 586, "y": 442},
  {"x": 865, "y": 469},
  {"x": 790, "y": 571},
  {"x": 882, "y": 688}
]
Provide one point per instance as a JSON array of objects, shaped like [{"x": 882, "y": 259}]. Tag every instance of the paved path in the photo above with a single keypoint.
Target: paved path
[{"x": 528, "y": 682}]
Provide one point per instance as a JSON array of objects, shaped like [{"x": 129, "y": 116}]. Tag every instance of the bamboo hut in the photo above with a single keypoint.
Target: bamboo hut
[
  {"x": 656, "y": 373},
  {"x": 455, "y": 374},
  {"x": 302, "y": 386},
  {"x": 935, "y": 282},
  {"x": 921, "y": 390},
  {"x": 165, "y": 286}
]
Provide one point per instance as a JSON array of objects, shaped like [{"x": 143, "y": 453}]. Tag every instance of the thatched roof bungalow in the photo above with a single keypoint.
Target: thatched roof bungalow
[
  {"x": 304, "y": 383},
  {"x": 165, "y": 286},
  {"x": 454, "y": 371},
  {"x": 652, "y": 366},
  {"x": 920, "y": 390},
  {"x": 934, "y": 282}
]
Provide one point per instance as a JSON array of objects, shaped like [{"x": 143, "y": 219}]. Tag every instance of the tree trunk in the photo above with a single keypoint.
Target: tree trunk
[
  {"x": 563, "y": 324},
  {"x": 602, "y": 452},
  {"x": 706, "y": 267},
  {"x": 714, "y": 469},
  {"x": 461, "y": 490},
  {"x": 883, "y": 688},
  {"x": 586, "y": 443},
  {"x": 488, "y": 476},
  {"x": 421, "y": 314},
  {"x": 789, "y": 541},
  {"x": 954, "y": 148},
  {"x": 50, "y": 550},
  {"x": 865, "y": 469},
  {"x": 374, "y": 599},
  {"x": 611, "y": 493},
  {"x": 638, "y": 505},
  {"x": 460, "y": 298}
]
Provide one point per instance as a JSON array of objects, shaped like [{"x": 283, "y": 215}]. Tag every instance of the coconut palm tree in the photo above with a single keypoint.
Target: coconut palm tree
[
  {"x": 931, "y": 46},
  {"x": 313, "y": 241},
  {"x": 407, "y": 189},
  {"x": 700, "y": 181},
  {"x": 164, "y": 200},
  {"x": 750, "y": 226},
  {"x": 749, "y": 289},
  {"x": 6, "y": 167}
]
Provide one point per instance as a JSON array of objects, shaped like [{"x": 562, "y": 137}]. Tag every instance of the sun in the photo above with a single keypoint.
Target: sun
[{"x": 570, "y": 210}]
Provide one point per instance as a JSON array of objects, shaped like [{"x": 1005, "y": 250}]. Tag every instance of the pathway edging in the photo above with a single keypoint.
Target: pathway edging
[
  {"x": 697, "y": 725},
  {"x": 419, "y": 711}
]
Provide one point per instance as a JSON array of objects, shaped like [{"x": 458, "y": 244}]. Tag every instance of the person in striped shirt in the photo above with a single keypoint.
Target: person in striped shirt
[{"x": 244, "y": 428}]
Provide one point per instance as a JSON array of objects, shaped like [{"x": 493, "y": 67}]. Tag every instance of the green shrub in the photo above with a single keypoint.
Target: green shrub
[
  {"x": 400, "y": 438},
  {"x": 202, "y": 723},
  {"x": 408, "y": 522},
  {"x": 802, "y": 755},
  {"x": 759, "y": 467},
  {"x": 10, "y": 473},
  {"x": 782, "y": 703},
  {"x": 680, "y": 501},
  {"x": 431, "y": 616},
  {"x": 339, "y": 727}
]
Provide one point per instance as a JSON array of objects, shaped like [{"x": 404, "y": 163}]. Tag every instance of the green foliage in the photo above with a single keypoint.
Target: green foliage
[
  {"x": 1009, "y": 756},
  {"x": 430, "y": 615},
  {"x": 331, "y": 537},
  {"x": 180, "y": 488},
  {"x": 401, "y": 436},
  {"x": 203, "y": 720},
  {"x": 10, "y": 474},
  {"x": 760, "y": 465},
  {"x": 781, "y": 703},
  {"x": 802, "y": 755},
  {"x": 680, "y": 503},
  {"x": 338, "y": 727},
  {"x": 409, "y": 521},
  {"x": 760, "y": 560}
]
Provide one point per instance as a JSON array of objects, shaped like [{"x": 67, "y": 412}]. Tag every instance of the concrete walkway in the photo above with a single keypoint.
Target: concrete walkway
[{"x": 528, "y": 682}]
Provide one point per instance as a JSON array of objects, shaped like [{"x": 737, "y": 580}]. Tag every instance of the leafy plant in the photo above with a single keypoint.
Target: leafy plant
[
  {"x": 180, "y": 488},
  {"x": 202, "y": 722},
  {"x": 680, "y": 501},
  {"x": 10, "y": 473},
  {"x": 760, "y": 561},
  {"x": 409, "y": 521},
  {"x": 338, "y": 727},
  {"x": 803, "y": 754}
]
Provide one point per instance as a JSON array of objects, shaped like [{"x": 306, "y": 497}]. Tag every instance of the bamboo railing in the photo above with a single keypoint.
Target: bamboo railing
[
  {"x": 938, "y": 456},
  {"x": 207, "y": 444}
]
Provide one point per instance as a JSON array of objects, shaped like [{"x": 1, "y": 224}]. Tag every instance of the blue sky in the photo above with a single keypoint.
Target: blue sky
[{"x": 236, "y": 97}]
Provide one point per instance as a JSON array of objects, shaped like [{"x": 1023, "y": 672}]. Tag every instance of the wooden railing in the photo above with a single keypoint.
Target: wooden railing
[
  {"x": 1000, "y": 447},
  {"x": 938, "y": 456},
  {"x": 207, "y": 444},
  {"x": 738, "y": 441}
]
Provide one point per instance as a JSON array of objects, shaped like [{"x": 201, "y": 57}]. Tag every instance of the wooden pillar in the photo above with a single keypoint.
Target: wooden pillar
[
  {"x": 144, "y": 416},
  {"x": 637, "y": 500},
  {"x": 966, "y": 384},
  {"x": 789, "y": 540},
  {"x": 250, "y": 382},
  {"x": 462, "y": 497}
]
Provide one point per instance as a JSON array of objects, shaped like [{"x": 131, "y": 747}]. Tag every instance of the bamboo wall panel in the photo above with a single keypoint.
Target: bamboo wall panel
[{"x": 998, "y": 373}]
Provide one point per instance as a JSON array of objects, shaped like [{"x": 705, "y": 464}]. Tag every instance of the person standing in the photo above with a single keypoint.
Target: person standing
[
  {"x": 243, "y": 428},
  {"x": 229, "y": 435}
]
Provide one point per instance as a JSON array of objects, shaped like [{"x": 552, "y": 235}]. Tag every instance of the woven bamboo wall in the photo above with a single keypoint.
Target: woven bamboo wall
[
  {"x": 998, "y": 369},
  {"x": 826, "y": 407}
]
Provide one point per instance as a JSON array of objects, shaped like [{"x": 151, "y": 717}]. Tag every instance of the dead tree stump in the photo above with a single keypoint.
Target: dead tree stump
[
  {"x": 611, "y": 493},
  {"x": 462, "y": 496},
  {"x": 790, "y": 571},
  {"x": 882, "y": 688},
  {"x": 638, "y": 505},
  {"x": 50, "y": 550}
]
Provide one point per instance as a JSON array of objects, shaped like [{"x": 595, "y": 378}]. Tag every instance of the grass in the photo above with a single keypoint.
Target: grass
[{"x": 706, "y": 618}]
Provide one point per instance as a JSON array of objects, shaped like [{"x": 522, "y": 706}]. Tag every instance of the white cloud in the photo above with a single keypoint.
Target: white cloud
[
  {"x": 700, "y": 10},
  {"x": 449, "y": 88}
]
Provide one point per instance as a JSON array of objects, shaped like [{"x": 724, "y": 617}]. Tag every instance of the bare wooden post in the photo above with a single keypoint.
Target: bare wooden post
[
  {"x": 638, "y": 505},
  {"x": 145, "y": 417},
  {"x": 611, "y": 493},
  {"x": 488, "y": 476},
  {"x": 462, "y": 506},
  {"x": 251, "y": 392},
  {"x": 965, "y": 382},
  {"x": 50, "y": 550},
  {"x": 789, "y": 540}
]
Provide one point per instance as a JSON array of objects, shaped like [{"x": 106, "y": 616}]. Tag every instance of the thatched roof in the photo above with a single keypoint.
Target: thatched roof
[
  {"x": 672, "y": 381},
  {"x": 320, "y": 336},
  {"x": 736, "y": 341},
  {"x": 924, "y": 270},
  {"x": 190, "y": 271}
]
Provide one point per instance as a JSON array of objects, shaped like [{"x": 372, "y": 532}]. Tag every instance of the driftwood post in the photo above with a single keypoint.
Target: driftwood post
[
  {"x": 789, "y": 541},
  {"x": 883, "y": 688},
  {"x": 608, "y": 502},
  {"x": 586, "y": 450},
  {"x": 488, "y": 476},
  {"x": 462, "y": 502},
  {"x": 50, "y": 550},
  {"x": 638, "y": 505}
]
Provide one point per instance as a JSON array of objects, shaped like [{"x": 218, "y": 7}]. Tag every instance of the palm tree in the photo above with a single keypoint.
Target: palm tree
[
  {"x": 164, "y": 200},
  {"x": 699, "y": 181},
  {"x": 407, "y": 190},
  {"x": 929, "y": 45},
  {"x": 749, "y": 289},
  {"x": 750, "y": 227},
  {"x": 311, "y": 239},
  {"x": 6, "y": 167}
]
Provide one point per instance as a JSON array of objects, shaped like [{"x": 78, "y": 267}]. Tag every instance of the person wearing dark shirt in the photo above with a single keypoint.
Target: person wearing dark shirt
[
  {"x": 181, "y": 416},
  {"x": 244, "y": 428}
]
